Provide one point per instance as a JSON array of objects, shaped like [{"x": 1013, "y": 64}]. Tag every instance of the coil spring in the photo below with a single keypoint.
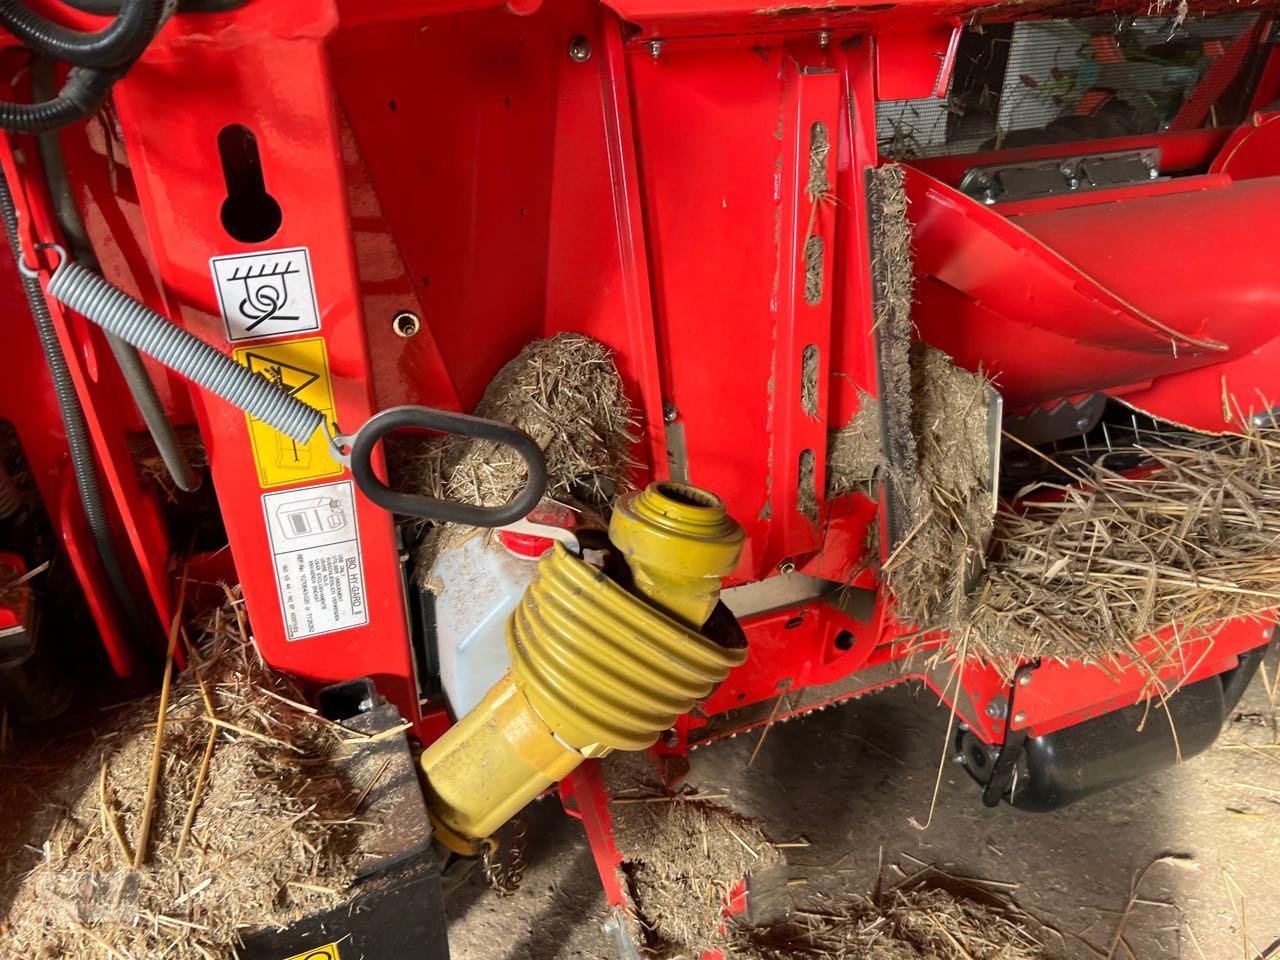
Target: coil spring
[{"x": 134, "y": 322}]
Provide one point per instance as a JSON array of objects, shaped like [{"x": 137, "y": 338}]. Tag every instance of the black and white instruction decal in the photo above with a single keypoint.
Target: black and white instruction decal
[
  {"x": 316, "y": 551},
  {"x": 266, "y": 294}
]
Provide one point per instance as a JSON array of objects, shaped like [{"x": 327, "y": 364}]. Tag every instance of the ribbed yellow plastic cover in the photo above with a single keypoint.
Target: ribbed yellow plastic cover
[{"x": 604, "y": 668}]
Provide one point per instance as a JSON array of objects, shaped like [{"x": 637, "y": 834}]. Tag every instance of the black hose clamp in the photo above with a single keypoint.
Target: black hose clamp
[{"x": 392, "y": 419}]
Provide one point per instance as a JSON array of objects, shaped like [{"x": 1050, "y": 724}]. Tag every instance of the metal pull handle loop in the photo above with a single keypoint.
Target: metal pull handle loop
[{"x": 432, "y": 508}]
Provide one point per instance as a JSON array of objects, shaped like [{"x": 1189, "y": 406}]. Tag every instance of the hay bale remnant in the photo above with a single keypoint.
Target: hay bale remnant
[
  {"x": 892, "y": 284},
  {"x": 254, "y": 824},
  {"x": 948, "y": 510},
  {"x": 1094, "y": 563},
  {"x": 934, "y": 455},
  {"x": 682, "y": 856},
  {"x": 566, "y": 393},
  {"x": 855, "y": 453},
  {"x": 915, "y": 922}
]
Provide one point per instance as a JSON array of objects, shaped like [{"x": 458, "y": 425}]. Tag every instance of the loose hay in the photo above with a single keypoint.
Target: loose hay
[
  {"x": 1082, "y": 575},
  {"x": 682, "y": 857},
  {"x": 1110, "y": 559},
  {"x": 948, "y": 510},
  {"x": 855, "y": 454},
  {"x": 916, "y": 923},
  {"x": 892, "y": 282},
  {"x": 566, "y": 393},
  {"x": 269, "y": 842}
]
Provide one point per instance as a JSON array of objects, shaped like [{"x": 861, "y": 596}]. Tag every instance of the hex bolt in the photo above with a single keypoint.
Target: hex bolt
[
  {"x": 406, "y": 324},
  {"x": 669, "y": 412},
  {"x": 824, "y": 38},
  {"x": 1082, "y": 424},
  {"x": 579, "y": 49},
  {"x": 786, "y": 566},
  {"x": 655, "y": 48},
  {"x": 998, "y": 707},
  {"x": 1024, "y": 679},
  {"x": 1020, "y": 717}
]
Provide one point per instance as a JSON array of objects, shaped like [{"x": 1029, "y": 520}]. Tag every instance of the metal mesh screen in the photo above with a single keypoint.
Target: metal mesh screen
[{"x": 1058, "y": 81}]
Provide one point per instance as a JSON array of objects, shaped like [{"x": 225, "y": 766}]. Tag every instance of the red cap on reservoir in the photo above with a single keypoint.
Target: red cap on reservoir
[{"x": 530, "y": 545}]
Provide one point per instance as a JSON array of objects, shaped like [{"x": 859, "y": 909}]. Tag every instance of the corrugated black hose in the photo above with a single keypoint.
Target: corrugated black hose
[
  {"x": 78, "y": 444},
  {"x": 80, "y": 97},
  {"x": 108, "y": 8},
  {"x": 120, "y": 42},
  {"x": 135, "y": 373}
]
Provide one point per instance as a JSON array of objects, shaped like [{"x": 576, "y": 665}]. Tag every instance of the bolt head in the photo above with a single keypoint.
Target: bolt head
[
  {"x": 786, "y": 566},
  {"x": 1082, "y": 424},
  {"x": 1020, "y": 717},
  {"x": 669, "y": 412},
  {"x": 579, "y": 49},
  {"x": 824, "y": 38},
  {"x": 1024, "y": 679},
  {"x": 655, "y": 48}
]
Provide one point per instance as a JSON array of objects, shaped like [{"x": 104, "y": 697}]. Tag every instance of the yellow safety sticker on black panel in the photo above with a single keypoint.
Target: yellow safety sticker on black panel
[
  {"x": 302, "y": 368},
  {"x": 327, "y": 952}
]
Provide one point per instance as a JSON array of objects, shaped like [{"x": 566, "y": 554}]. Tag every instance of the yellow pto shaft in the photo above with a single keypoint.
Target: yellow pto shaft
[{"x": 594, "y": 668}]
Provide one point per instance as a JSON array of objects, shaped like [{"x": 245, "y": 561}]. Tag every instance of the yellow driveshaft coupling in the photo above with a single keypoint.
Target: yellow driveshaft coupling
[{"x": 594, "y": 667}]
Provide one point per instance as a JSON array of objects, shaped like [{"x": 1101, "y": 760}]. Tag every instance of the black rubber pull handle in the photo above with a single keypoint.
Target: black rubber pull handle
[{"x": 431, "y": 508}]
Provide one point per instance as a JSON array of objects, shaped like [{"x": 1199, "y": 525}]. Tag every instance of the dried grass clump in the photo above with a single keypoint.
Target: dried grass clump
[
  {"x": 916, "y": 923},
  {"x": 682, "y": 857},
  {"x": 892, "y": 284},
  {"x": 566, "y": 393},
  {"x": 934, "y": 452},
  {"x": 948, "y": 509},
  {"x": 1103, "y": 559},
  {"x": 855, "y": 454},
  {"x": 252, "y": 827}
]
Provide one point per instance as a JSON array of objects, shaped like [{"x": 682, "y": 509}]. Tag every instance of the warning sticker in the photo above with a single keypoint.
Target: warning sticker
[
  {"x": 328, "y": 952},
  {"x": 266, "y": 294},
  {"x": 316, "y": 552},
  {"x": 302, "y": 368}
]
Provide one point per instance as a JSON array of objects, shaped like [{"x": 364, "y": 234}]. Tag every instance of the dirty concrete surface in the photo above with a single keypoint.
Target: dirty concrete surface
[{"x": 851, "y": 779}]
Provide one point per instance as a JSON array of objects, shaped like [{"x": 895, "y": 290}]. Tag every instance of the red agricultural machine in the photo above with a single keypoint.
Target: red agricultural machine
[{"x": 254, "y": 238}]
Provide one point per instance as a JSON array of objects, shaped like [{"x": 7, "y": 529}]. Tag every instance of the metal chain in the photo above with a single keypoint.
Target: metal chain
[{"x": 505, "y": 877}]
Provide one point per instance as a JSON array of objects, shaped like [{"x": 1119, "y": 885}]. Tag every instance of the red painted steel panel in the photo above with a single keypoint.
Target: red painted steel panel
[{"x": 173, "y": 150}]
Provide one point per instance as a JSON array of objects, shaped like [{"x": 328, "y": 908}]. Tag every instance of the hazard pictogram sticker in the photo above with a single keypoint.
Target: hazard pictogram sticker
[
  {"x": 266, "y": 294},
  {"x": 301, "y": 367}
]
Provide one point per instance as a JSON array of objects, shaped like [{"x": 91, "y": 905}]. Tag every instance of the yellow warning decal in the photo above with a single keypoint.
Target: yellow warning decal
[
  {"x": 327, "y": 952},
  {"x": 302, "y": 368}
]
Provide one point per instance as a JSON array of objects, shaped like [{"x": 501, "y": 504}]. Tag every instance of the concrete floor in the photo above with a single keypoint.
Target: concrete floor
[{"x": 851, "y": 780}]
